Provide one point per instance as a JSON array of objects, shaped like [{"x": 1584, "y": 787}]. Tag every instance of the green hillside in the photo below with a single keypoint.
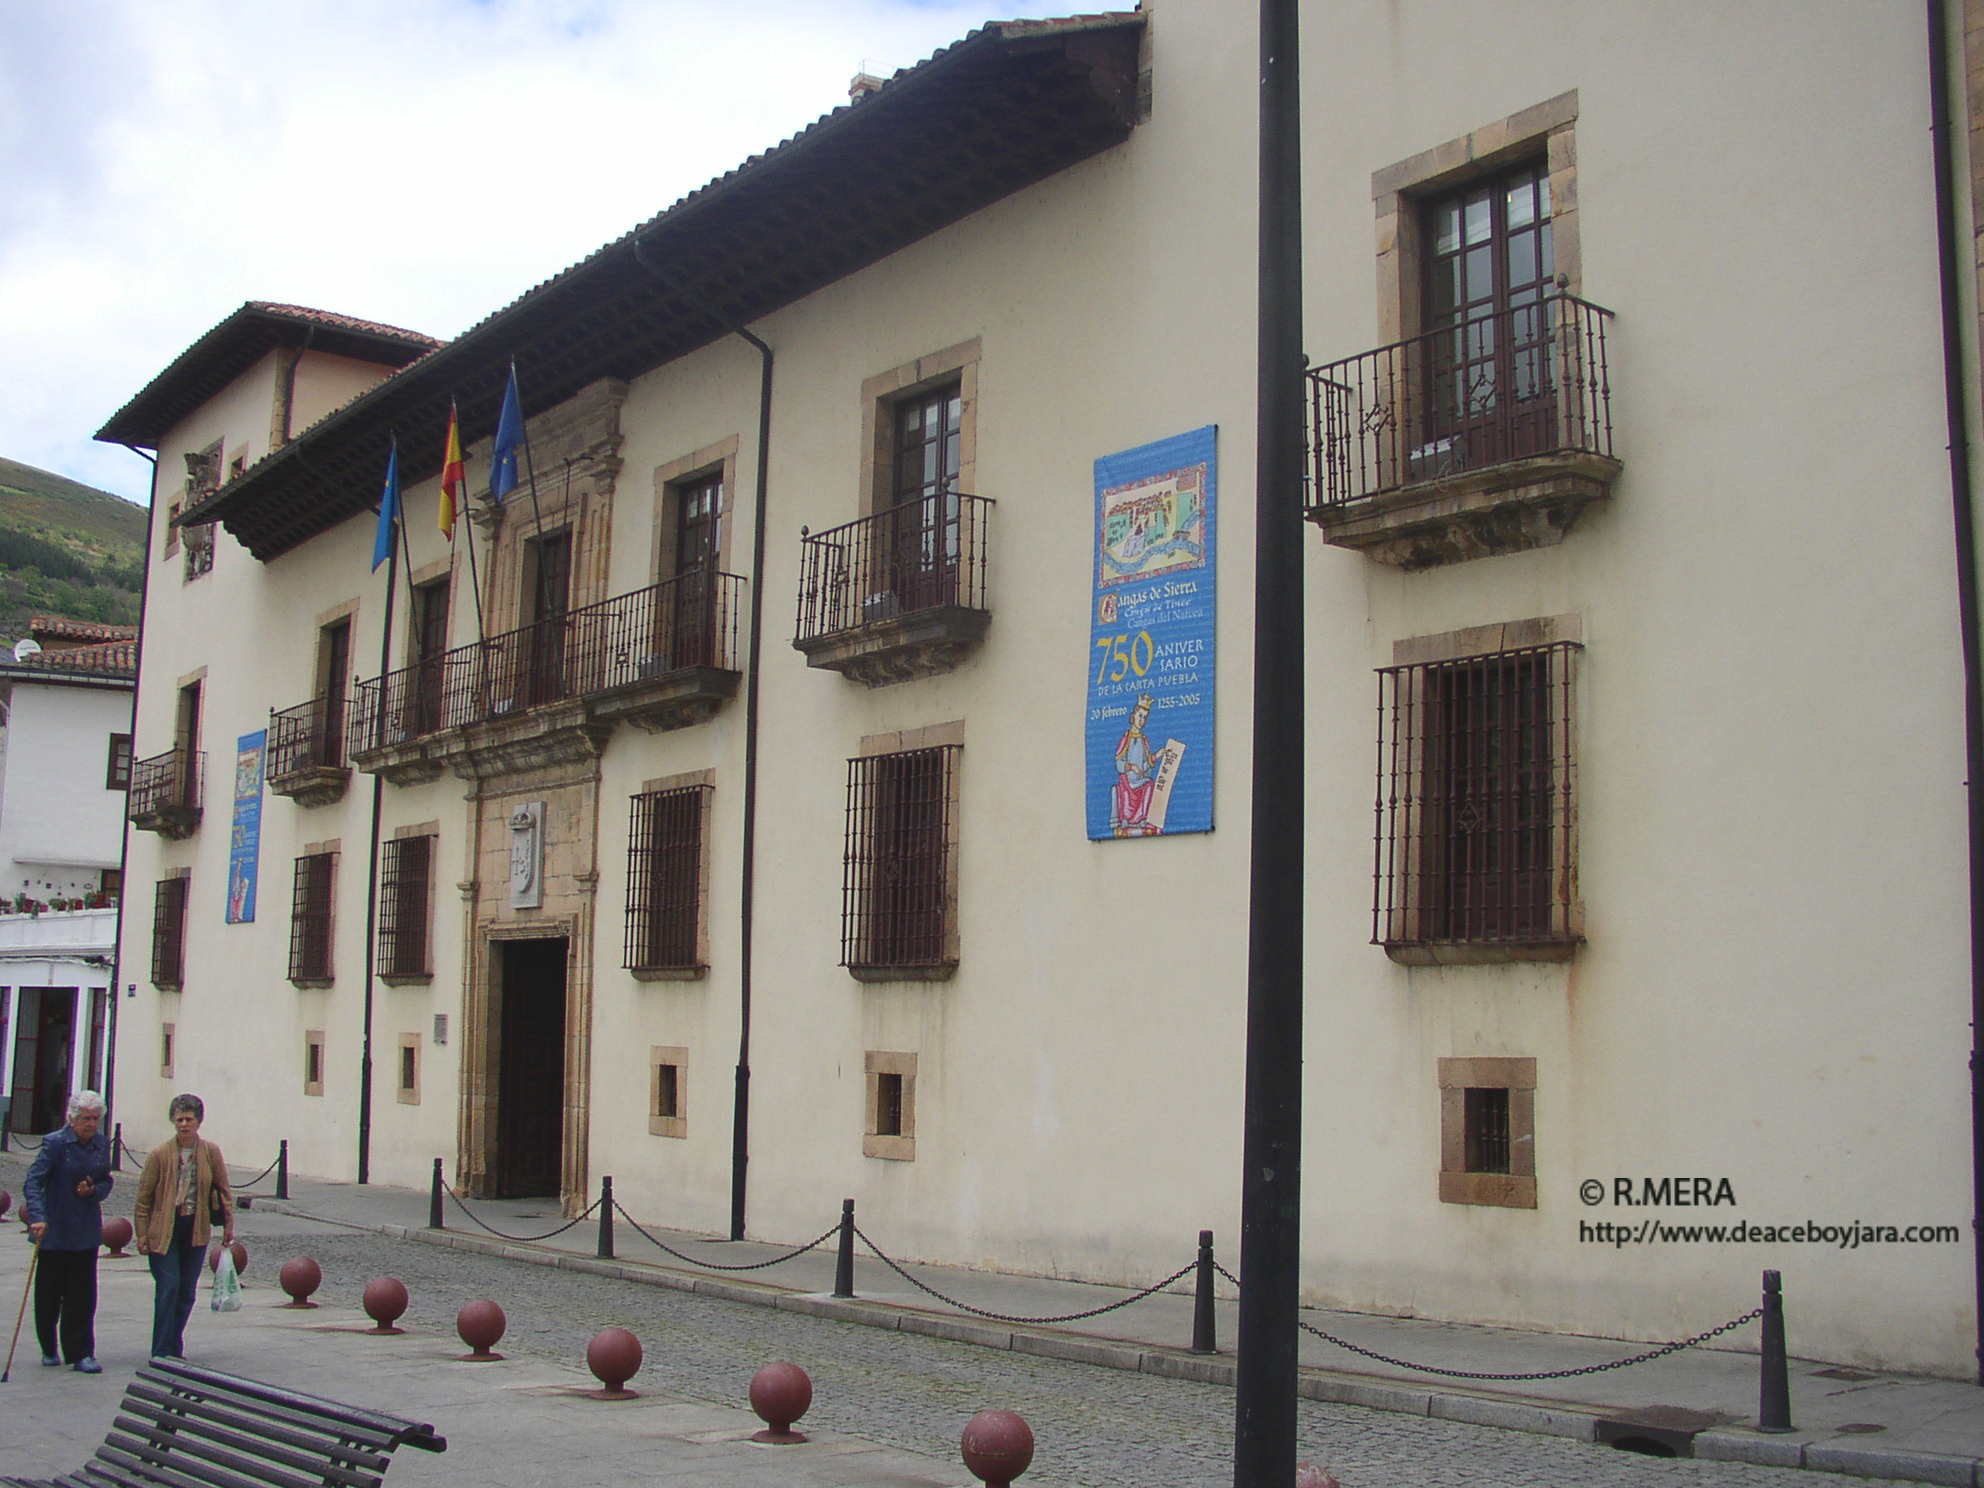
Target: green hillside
[{"x": 66, "y": 549}]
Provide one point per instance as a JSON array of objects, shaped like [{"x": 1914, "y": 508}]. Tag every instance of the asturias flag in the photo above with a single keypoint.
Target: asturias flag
[
  {"x": 453, "y": 475},
  {"x": 389, "y": 510},
  {"x": 509, "y": 436}
]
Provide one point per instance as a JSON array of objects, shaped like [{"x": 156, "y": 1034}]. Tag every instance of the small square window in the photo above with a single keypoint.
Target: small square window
[
  {"x": 409, "y": 1069},
  {"x": 313, "y": 1062},
  {"x": 668, "y": 1091},
  {"x": 891, "y": 1126},
  {"x": 1488, "y": 1132}
]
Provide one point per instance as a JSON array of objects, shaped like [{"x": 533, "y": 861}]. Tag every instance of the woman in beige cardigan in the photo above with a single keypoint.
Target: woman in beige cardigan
[{"x": 181, "y": 1192}]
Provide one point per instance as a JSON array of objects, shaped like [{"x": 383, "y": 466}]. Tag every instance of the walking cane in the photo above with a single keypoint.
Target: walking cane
[{"x": 33, "y": 1260}]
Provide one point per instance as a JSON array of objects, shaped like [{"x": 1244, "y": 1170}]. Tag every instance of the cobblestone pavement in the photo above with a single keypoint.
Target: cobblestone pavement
[{"x": 1093, "y": 1426}]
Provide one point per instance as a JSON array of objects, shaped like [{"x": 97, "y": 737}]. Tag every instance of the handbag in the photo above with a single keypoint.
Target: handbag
[{"x": 216, "y": 1211}]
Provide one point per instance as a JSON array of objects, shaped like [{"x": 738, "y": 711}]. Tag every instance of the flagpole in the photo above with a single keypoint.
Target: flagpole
[
  {"x": 474, "y": 582},
  {"x": 372, "y": 872},
  {"x": 530, "y": 460}
]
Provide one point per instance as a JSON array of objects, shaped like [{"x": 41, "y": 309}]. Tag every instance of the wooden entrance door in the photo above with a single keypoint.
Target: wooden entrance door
[{"x": 530, "y": 1073}]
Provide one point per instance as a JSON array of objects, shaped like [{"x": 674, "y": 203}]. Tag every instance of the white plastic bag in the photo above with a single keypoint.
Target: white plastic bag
[{"x": 227, "y": 1285}]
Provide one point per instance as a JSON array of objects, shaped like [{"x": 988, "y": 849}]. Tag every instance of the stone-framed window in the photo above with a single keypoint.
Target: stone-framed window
[
  {"x": 1407, "y": 194},
  {"x": 668, "y": 847},
  {"x": 888, "y": 397},
  {"x": 890, "y": 1128},
  {"x": 1488, "y": 1132},
  {"x": 169, "y": 930},
  {"x": 406, "y": 905},
  {"x": 899, "y": 890},
  {"x": 406, "y": 1081},
  {"x": 313, "y": 1061},
  {"x": 312, "y": 894},
  {"x": 1476, "y": 854},
  {"x": 668, "y": 1090}
]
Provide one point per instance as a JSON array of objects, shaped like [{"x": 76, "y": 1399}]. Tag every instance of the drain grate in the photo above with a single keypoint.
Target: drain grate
[{"x": 1656, "y": 1430}]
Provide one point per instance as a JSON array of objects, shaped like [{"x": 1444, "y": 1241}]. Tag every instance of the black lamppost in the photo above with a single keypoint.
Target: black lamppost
[{"x": 1271, "y": 1187}]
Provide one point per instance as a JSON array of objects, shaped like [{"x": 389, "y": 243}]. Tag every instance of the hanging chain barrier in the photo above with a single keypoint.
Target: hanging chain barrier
[
  {"x": 718, "y": 1265},
  {"x": 1204, "y": 1264},
  {"x": 1006, "y": 1317},
  {"x": 1541, "y": 1374},
  {"x": 524, "y": 1239},
  {"x": 121, "y": 1147}
]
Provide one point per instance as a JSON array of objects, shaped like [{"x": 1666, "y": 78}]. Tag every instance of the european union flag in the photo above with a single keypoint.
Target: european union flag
[
  {"x": 389, "y": 509},
  {"x": 509, "y": 435}
]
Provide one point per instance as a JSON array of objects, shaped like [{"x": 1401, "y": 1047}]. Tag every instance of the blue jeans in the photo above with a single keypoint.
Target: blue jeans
[{"x": 175, "y": 1280}]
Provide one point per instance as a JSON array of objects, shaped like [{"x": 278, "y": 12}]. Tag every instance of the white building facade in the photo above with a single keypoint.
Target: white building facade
[{"x": 767, "y": 822}]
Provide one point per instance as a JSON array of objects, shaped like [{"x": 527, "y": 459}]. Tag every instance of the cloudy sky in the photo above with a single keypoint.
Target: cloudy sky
[{"x": 419, "y": 162}]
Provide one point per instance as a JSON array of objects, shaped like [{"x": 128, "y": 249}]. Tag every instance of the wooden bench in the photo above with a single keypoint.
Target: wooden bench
[{"x": 181, "y": 1425}]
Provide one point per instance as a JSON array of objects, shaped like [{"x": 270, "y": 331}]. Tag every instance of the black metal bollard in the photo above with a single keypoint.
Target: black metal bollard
[
  {"x": 433, "y": 1193},
  {"x": 116, "y": 1148},
  {"x": 606, "y": 1219},
  {"x": 1774, "y": 1395},
  {"x": 844, "y": 1261},
  {"x": 1203, "y": 1339},
  {"x": 282, "y": 1169}
]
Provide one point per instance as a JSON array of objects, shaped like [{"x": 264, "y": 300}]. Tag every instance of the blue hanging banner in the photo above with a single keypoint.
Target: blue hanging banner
[
  {"x": 1152, "y": 646},
  {"x": 244, "y": 846}
]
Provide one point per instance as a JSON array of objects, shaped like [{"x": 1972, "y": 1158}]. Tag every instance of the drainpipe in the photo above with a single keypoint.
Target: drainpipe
[
  {"x": 740, "y": 1123},
  {"x": 1957, "y": 399},
  {"x": 124, "y": 842}
]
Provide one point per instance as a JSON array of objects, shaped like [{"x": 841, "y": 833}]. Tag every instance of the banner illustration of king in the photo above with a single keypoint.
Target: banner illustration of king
[{"x": 1152, "y": 649}]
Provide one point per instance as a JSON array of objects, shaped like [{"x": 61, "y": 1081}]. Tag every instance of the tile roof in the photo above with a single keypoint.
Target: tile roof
[{"x": 1004, "y": 107}]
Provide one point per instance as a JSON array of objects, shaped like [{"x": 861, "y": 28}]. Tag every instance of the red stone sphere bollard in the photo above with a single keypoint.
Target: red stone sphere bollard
[
  {"x": 997, "y": 1447},
  {"x": 481, "y": 1324},
  {"x": 614, "y": 1355},
  {"x": 385, "y": 1303},
  {"x": 237, "y": 1250},
  {"x": 1308, "y": 1475},
  {"x": 300, "y": 1276},
  {"x": 116, "y": 1235},
  {"x": 6, "y": 1202},
  {"x": 780, "y": 1394}
]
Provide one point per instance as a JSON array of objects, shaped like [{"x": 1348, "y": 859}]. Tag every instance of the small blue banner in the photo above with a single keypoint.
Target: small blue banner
[
  {"x": 1152, "y": 652},
  {"x": 244, "y": 846}
]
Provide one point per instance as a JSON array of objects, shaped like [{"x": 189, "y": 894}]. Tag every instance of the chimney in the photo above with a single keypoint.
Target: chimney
[{"x": 862, "y": 85}]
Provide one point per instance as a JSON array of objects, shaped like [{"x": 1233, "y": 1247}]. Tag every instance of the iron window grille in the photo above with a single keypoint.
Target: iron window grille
[
  {"x": 665, "y": 879},
  {"x": 405, "y": 898},
  {"x": 1486, "y": 1129},
  {"x": 310, "y": 919},
  {"x": 1477, "y": 802},
  {"x": 169, "y": 934},
  {"x": 898, "y": 891}
]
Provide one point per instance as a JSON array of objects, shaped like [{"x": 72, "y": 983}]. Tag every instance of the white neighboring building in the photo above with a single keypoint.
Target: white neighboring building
[
  {"x": 64, "y": 774},
  {"x": 55, "y": 1008}
]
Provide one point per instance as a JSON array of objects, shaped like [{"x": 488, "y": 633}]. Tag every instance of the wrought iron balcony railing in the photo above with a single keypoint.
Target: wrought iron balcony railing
[
  {"x": 309, "y": 736},
  {"x": 925, "y": 554},
  {"x": 1526, "y": 381},
  {"x": 165, "y": 792},
  {"x": 686, "y": 622}
]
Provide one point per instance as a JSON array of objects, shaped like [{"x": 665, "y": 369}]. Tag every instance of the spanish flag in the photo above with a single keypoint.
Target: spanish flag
[{"x": 453, "y": 475}]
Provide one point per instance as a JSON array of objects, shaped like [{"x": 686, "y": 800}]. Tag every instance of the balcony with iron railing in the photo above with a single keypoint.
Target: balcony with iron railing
[
  {"x": 899, "y": 594},
  {"x": 306, "y": 760},
  {"x": 660, "y": 658},
  {"x": 165, "y": 792},
  {"x": 1490, "y": 436}
]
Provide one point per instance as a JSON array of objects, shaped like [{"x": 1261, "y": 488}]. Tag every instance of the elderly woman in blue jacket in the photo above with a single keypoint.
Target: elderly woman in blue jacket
[{"x": 64, "y": 1193}]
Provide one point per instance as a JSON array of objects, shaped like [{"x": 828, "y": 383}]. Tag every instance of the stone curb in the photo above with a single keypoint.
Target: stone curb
[{"x": 1718, "y": 1444}]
